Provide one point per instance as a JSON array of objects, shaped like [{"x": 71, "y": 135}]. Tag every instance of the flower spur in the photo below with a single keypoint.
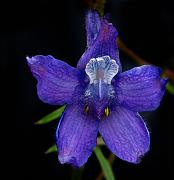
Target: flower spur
[{"x": 99, "y": 97}]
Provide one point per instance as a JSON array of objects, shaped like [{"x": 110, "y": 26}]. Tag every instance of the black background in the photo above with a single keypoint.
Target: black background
[{"x": 57, "y": 28}]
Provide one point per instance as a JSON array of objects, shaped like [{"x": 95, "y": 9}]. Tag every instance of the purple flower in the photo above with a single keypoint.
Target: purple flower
[{"x": 99, "y": 97}]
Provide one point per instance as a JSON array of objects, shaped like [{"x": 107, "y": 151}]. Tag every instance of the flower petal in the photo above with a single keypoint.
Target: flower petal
[
  {"x": 104, "y": 45},
  {"x": 93, "y": 25},
  {"x": 141, "y": 88},
  {"x": 56, "y": 80},
  {"x": 76, "y": 136},
  {"x": 126, "y": 135}
]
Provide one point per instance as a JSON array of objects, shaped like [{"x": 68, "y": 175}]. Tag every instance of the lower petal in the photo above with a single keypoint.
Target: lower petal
[
  {"x": 76, "y": 136},
  {"x": 125, "y": 134}
]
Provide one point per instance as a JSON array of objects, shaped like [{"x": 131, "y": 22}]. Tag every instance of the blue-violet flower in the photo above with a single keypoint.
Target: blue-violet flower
[{"x": 99, "y": 97}]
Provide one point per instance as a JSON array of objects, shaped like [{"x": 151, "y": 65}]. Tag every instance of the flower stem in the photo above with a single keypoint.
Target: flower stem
[{"x": 139, "y": 60}]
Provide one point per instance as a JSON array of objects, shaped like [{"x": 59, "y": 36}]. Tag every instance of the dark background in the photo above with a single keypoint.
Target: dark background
[{"x": 57, "y": 28}]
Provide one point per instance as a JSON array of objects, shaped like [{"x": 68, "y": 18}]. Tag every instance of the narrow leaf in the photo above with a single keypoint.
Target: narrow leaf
[
  {"x": 52, "y": 116},
  {"x": 107, "y": 170},
  {"x": 170, "y": 88},
  {"x": 51, "y": 149}
]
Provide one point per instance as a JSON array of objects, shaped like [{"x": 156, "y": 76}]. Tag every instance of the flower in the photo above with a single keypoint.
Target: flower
[{"x": 99, "y": 97}]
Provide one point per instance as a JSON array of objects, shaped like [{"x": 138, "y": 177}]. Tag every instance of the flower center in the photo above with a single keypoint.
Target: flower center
[
  {"x": 100, "y": 92},
  {"x": 101, "y": 71}
]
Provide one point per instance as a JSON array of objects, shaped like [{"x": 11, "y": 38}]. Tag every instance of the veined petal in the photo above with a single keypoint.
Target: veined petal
[
  {"x": 125, "y": 134},
  {"x": 76, "y": 136},
  {"x": 93, "y": 24},
  {"x": 57, "y": 80},
  {"x": 104, "y": 45},
  {"x": 141, "y": 88}
]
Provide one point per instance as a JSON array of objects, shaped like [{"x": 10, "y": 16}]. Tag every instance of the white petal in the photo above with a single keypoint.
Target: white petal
[{"x": 102, "y": 68}]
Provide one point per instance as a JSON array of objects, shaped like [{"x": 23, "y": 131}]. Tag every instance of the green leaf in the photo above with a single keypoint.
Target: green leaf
[
  {"x": 107, "y": 170},
  {"x": 51, "y": 149},
  {"x": 52, "y": 116},
  {"x": 170, "y": 88}
]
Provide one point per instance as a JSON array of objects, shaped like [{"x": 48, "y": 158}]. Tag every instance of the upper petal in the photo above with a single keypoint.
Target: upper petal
[
  {"x": 141, "y": 88},
  {"x": 93, "y": 24},
  {"x": 57, "y": 80},
  {"x": 126, "y": 135},
  {"x": 104, "y": 45},
  {"x": 76, "y": 136}
]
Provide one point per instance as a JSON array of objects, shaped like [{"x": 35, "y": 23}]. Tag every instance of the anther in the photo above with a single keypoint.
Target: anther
[
  {"x": 107, "y": 111},
  {"x": 86, "y": 109}
]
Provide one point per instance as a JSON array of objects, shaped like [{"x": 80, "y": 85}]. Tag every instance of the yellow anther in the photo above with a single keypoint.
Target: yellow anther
[
  {"x": 107, "y": 111},
  {"x": 86, "y": 109}
]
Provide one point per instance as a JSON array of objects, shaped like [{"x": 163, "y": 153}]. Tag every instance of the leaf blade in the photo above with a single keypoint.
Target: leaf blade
[
  {"x": 51, "y": 149},
  {"x": 52, "y": 116},
  {"x": 170, "y": 88},
  {"x": 107, "y": 170}
]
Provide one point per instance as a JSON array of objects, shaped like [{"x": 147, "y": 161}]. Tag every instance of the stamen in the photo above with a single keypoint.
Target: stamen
[
  {"x": 86, "y": 109},
  {"x": 107, "y": 111}
]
